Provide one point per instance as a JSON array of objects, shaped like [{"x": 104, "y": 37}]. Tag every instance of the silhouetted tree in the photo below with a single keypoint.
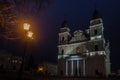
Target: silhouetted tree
[
  {"x": 7, "y": 20},
  {"x": 28, "y": 10},
  {"x": 14, "y": 12}
]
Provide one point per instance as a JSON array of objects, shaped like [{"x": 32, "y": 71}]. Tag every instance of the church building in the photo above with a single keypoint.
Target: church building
[{"x": 86, "y": 53}]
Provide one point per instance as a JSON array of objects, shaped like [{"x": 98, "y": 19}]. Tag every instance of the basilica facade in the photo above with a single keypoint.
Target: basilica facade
[{"x": 86, "y": 53}]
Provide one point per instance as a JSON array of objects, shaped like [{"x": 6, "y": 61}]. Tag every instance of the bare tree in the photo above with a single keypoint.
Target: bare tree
[
  {"x": 13, "y": 12},
  {"x": 7, "y": 20},
  {"x": 29, "y": 9}
]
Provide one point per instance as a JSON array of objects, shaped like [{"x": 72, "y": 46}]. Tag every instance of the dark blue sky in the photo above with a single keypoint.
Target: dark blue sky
[{"x": 78, "y": 14}]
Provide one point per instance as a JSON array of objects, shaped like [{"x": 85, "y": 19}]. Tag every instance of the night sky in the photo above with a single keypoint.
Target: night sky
[{"x": 78, "y": 14}]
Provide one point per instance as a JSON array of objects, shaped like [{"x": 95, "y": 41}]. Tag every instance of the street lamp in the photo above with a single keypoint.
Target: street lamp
[
  {"x": 28, "y": 35},
  {"x": 26, "y": 26}
]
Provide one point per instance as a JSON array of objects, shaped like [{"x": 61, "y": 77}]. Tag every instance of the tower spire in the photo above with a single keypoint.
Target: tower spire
[
  {"x": 96, "y": 13},
  {"x": 65, "y": 23}
]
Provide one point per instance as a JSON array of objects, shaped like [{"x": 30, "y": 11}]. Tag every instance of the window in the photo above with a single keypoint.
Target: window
[
  {"x": 78, "y": 50},
  {"x": 62, "y": 38},
  {"x": 62, "y": 52},
  {"x": 96, "y": 47},
  {"x": 96, "y": 32}
]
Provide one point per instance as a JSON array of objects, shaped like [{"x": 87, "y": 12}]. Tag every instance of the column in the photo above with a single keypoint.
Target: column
[
  {"x": 84, "y": 68},
  {"x": 71, "y": 67},
  {"x": 66, "y": 68},
  {"x": 78, "y": 68}
]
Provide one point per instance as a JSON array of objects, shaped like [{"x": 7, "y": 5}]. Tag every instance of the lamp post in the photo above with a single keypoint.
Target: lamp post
[{"x": 28, "y": 35}]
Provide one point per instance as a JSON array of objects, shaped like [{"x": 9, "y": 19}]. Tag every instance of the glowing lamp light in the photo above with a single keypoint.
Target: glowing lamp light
[
  {"x": 26, "y": 26},
  {"x": 40, "y": 68},
  {"x": 30, "y": 34}
]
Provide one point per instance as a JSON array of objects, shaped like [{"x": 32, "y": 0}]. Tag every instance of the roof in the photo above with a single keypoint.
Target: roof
[
  {"x": 95, "y": 14},
  {"x": 64, "y": 24}
]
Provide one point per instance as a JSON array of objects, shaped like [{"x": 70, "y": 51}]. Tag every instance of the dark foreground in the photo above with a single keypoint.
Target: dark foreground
[
  {"x": 60, "y": 78},
  {"x": 14, "y": 76}
]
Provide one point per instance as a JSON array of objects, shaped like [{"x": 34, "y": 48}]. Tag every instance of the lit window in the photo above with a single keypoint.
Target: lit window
[
  {"x": 78, "y": 50},
  {"x": 40, "y": 68}
]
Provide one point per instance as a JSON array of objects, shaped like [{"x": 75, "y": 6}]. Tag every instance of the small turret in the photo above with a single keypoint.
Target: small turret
[
  {"x": 64, "y": 34},
  {"x": 96, "y": 26}
]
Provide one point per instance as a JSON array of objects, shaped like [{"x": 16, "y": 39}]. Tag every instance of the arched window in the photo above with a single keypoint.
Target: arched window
[
  {"x": 96, "y": 32},
  {"x": 62, "y": 39},
  {"x": 96, "y": 47},
  {"x": 78, "y": 50},
  {"x": 62, "y": 52}
]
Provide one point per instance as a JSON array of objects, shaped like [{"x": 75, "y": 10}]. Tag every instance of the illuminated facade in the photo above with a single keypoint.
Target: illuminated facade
[{"x": 84, "y": 53}]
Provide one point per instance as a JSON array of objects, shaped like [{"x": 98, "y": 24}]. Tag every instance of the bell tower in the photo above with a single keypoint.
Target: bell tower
[
  {"x": 64, "y": 34},
  {"x": 64, "y": 38},
  {"x": 96, "y": 26},
  {"x": 99, "y": 46}
]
